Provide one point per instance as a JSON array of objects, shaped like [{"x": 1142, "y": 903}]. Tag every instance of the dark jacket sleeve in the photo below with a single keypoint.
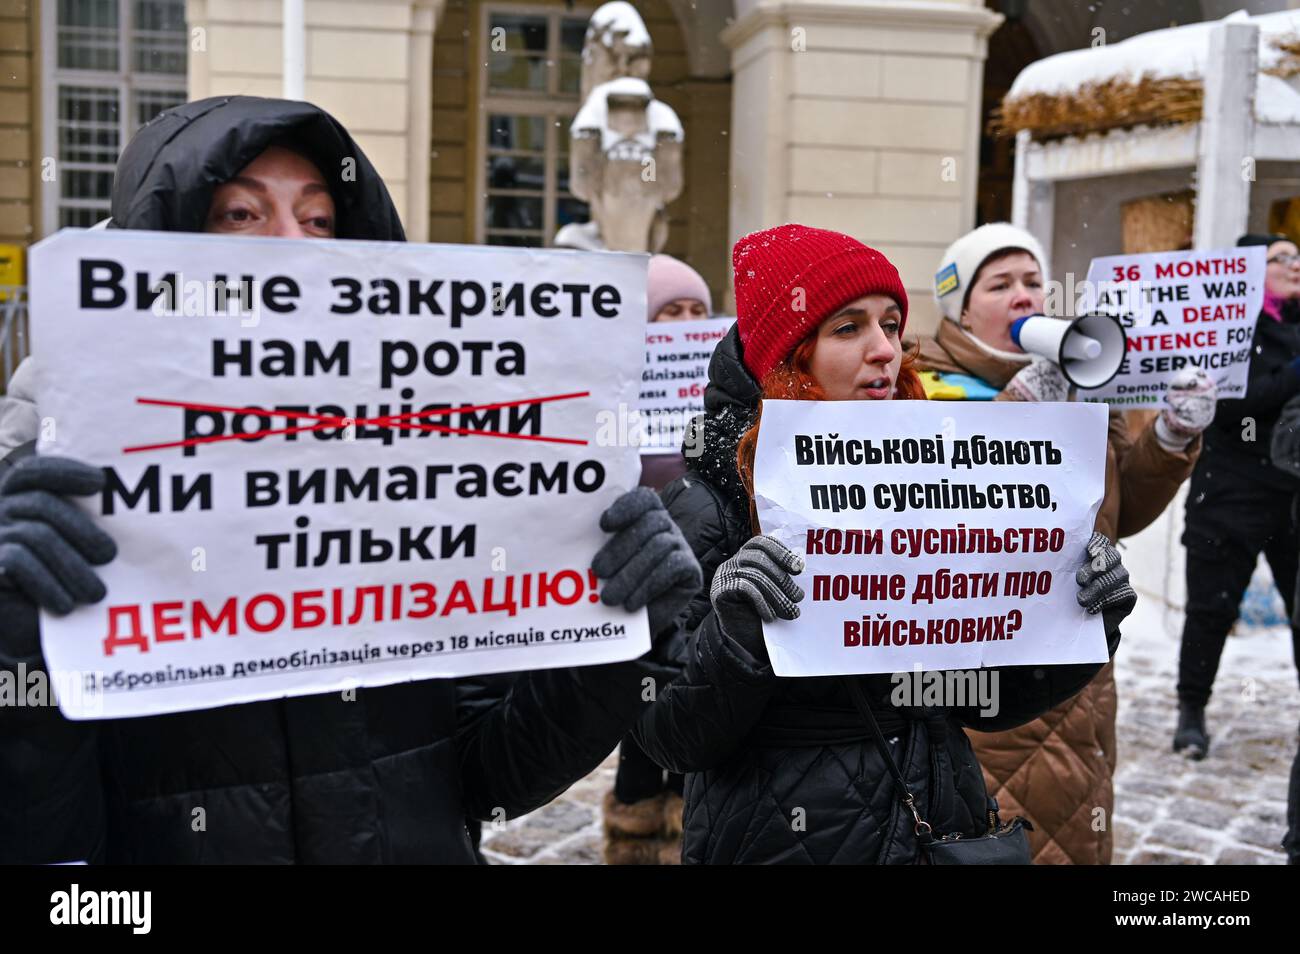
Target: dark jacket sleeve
[
  {"x": 1285, "y": 448},
  {"x": 51, "y": 791},
  {"x": 549, "y": 729},
  {"x": 520, "y": 748},
  {"x": 1149, "y": 474},
  {"x": 706, "y": 714},
  {"x": 1269, "y": 385},
  {"x": 1026, "y": 692}
]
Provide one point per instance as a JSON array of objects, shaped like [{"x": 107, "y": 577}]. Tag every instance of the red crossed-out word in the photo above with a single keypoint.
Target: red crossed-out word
[{"x": 324, "y": 421}]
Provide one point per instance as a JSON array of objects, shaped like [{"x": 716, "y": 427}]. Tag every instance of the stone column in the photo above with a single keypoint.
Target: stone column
[
  {"x": 860, "y": 116},
  {"x": 1224, "y": 167}
]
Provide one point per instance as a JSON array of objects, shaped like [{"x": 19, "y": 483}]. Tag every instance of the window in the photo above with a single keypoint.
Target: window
[
  {"x": 115, "y": 65},
  {"x": 532, "y": 63}
]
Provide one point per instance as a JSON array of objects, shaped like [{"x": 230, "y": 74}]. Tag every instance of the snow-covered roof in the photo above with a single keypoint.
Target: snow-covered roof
[
  {"x": 618, "y": 16},
  {"x": 594, "y": 114},
  {"x": 1174, "y": 53}
]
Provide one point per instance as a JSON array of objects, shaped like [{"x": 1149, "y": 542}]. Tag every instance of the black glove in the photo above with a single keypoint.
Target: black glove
[
  {"x": 647, "y": 562},
  {"x": 754, "y": 587},
  {"x": 1104, "y": 587},
  {"x": 48, "y": 545}
]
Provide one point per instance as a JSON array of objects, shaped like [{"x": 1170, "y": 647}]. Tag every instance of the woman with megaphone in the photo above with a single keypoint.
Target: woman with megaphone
[{"x": 986, "y": 282}]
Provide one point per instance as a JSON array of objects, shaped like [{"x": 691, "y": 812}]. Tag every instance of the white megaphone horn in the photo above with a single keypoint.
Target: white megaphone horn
[{"x": 1089, "y": 350}]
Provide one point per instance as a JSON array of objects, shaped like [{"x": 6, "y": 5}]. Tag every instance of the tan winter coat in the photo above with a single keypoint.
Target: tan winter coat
[{"x": 1059, "y": 770}]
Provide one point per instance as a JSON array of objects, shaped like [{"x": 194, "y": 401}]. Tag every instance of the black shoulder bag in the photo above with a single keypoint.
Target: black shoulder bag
[{"x": 1001, "y": 845}]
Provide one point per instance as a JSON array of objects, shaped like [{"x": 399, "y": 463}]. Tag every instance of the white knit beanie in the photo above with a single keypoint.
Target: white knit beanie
[{"x": 959, "y": 264}]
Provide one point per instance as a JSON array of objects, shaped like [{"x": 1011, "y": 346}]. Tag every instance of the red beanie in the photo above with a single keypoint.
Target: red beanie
[{"x": 831, "y": 269}]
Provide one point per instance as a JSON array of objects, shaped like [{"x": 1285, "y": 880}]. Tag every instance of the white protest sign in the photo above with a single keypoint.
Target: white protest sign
[
  {"x": 1180, "y": 310},
  {"x": 677, "y": 355},
  {"x": 376, "y": 463},
  {"x": 939, "y": 535}
]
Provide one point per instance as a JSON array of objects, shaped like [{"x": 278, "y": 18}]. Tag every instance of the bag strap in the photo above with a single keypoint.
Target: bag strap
[{"x": 921, "y": 827}]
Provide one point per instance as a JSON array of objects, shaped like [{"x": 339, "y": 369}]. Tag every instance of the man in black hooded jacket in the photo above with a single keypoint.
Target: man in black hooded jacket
[{"x": 387, "y": 776}]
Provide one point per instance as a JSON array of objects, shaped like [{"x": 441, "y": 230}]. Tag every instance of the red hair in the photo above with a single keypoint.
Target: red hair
[{"x": 792, "y": 380}]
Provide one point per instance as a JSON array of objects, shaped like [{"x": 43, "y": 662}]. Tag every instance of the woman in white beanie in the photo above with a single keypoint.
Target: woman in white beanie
[{"x": 986, "y": 280}]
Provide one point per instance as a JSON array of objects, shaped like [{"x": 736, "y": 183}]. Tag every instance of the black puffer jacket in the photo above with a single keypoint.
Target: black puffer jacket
[
  {"x": 784, "y": 770},
  {"x": 1236, "y": 447},
  {"x": 387, "y": 777}
]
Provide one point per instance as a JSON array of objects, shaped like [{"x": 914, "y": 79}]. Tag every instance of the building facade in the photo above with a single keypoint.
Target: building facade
[{"x": 865, "y": 116}]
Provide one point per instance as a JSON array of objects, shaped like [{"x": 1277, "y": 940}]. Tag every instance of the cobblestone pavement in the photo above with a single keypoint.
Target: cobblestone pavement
[
  {"x": 1231, "y": 807},
  {"x": 565, "y": 832},
  {"x": 1228, "y": 809}
]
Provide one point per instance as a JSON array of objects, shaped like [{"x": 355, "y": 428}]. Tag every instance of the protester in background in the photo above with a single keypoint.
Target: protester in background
[
  {"x": 1058, "y": 770},
  {"x": 1285, "y": 452},
  {"x": 675, "y": 292},
  {"x": 387, "y": 775},
  {"x": 643, "y": 811},
  {"x": 1239, "y": 504},
  {"x": 759, "y": 746}
]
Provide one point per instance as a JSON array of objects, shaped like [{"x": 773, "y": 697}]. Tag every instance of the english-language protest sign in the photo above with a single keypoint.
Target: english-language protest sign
[
  {"x": 1180, "y": 310},
  {"x": 936, "y": 535},
  {"x": 672, "y": 384},
  {"x": 334, "y": 464}
]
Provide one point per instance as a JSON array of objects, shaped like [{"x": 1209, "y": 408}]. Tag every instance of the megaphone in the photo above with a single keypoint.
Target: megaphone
[{"x": 1089, "y": 350}]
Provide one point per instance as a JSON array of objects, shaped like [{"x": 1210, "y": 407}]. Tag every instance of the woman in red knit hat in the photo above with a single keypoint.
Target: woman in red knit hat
[{"x": 786, "y": 770}]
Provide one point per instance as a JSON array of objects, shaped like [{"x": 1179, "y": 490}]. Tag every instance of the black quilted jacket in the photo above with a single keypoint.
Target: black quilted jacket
[
  {"x": 390, "y": 776},
  {"x": 784, "y": 770}
]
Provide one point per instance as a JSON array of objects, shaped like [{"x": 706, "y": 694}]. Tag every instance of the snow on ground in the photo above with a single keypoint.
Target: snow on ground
[
  {"x": 1231, "y": 807},
  {"x": 1228, "y": 809}
]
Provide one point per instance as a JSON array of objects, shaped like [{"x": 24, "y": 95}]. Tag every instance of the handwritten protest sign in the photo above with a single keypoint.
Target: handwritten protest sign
[
  {"x": 334, "y": 464},
  {"x": 1180, "y": 310},
  {"x": 940, "y": 535},
  {"x": 676, "y": 372}
]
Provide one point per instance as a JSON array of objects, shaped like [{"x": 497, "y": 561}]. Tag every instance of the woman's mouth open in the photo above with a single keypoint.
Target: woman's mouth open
[{"x": 875, "y": 389}]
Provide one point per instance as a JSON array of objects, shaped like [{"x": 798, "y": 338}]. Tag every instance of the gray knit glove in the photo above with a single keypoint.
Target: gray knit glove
[
  {"x": 647, "y": 562},
  {"x": 754, "y": 587},
  {"x": 1039, "y": 380},
  {"x": 1190, "y": 408},
  {"x": 48, "y": 545},
  {"x": 1104, "y": 587}
]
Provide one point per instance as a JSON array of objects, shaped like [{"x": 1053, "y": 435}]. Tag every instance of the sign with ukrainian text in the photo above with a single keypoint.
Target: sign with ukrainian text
[
  {"x": 334, "y": 464},
  {"x": 677, "y": 356},
  {"x": 936, "y": 535}
]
